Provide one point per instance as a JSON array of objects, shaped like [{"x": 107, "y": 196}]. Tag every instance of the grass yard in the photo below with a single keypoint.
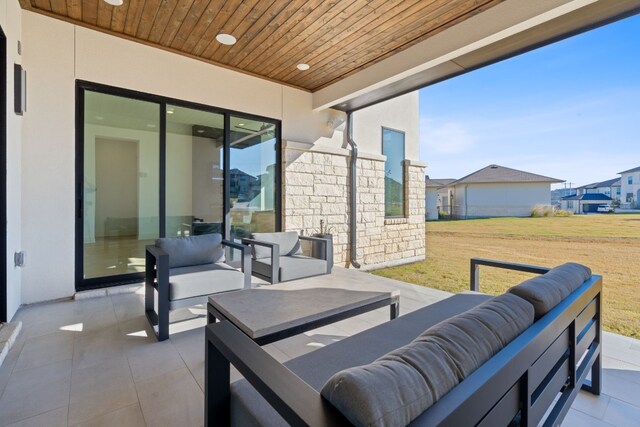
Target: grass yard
[{"x": 608, "y": 244}]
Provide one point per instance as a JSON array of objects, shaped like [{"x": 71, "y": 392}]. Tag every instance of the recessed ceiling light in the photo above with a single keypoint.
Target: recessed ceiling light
[
  {"x": 303, "y": 67},
  {"x": 169, "y": 111},
  {"x": 99, "y": 118},
  {"x": 200, "y": 131},
  {"x": 240, "y": 124},
  {"x": 114, "y": 2},
  {"x": 227, "y": 39},
  {"x": 151, "y": 125}
]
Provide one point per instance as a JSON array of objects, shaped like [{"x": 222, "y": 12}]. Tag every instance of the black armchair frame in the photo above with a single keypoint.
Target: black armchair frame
[
  {"x": 326, "y": 253},
  {"x": 157, "y": 282},
  {"x": 521, "y": 382}
]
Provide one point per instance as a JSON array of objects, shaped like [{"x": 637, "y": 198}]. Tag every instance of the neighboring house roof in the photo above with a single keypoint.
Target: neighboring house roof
[
  {"x": 501, "y": 174},
  {"x": 437, "y": 182},
  {"x": 615, "y": 182},
  {"x": 588, "y": 196},
  {"x": 630, "y": 170}
]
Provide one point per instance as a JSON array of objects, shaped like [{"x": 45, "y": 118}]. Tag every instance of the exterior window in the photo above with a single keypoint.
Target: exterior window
[
  {"x": 569, "y": 204},
  {"x": 393, "y": 148},
  {"x": 629, "y": 197},
  {"x": 630, "y": 180},
  {"x": 618, "y": 192}
]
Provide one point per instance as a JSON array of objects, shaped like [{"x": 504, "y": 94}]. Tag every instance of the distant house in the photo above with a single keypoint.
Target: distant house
[
  {"x": 610, "y": 188},
  {"x": 585, "y": 202},
  {"x": 436, "y": 199},
  {"x": 496, "y": 191},
  {"x": 630, "y": 188}
]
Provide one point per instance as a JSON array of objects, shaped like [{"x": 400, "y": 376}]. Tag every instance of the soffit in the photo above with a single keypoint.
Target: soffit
[{"x": 337, "y": 38}]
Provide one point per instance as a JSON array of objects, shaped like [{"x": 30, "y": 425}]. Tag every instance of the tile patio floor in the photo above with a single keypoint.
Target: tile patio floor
[{"x": 91, "y": 362}]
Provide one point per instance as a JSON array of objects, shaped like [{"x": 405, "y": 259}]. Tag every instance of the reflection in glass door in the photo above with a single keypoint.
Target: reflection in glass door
[
  {"x": 120, "y": 184},
  {"x": 149, "y": 167},
  {"x": 252, "y": 177},
  {"x": 195, "y": 172}
]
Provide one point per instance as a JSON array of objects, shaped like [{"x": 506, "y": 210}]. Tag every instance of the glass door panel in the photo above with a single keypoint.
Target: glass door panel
[
  {"x": 121, "y": 183},
  {"x": 194, "y": 172},
  {"x": 252, "y": 176}
]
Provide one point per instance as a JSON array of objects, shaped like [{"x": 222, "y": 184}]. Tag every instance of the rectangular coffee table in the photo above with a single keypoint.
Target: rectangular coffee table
[{"x": 266, "y": 314}]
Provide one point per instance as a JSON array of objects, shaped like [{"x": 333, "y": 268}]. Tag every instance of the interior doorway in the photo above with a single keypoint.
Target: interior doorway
[{"x": 3, "y": 176}]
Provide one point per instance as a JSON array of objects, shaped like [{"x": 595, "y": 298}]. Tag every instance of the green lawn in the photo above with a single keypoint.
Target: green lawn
[{"x": 608, "y": 244}]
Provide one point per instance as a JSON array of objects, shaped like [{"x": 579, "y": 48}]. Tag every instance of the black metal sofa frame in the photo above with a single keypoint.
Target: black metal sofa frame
[
  {"x": 157, "y": 282},
  {"x": 538, "y": 373}
]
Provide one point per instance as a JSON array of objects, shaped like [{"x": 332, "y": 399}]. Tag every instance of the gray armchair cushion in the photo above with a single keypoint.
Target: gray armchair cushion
[
  {"x": 398, "y": 387},
  {"x": 288, "y": 241},
  {"x": 292, "y": 267},
  {"x": 192, "y": 250},
  {"x": 549, "y": 289},
  {"x": 204, "y": 279}
]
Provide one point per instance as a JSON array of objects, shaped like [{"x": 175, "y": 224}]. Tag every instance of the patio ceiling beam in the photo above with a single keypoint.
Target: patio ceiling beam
[{"x": 503, "y": 31}]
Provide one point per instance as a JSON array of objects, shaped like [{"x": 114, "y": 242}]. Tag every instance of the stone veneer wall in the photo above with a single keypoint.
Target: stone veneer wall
[{"x": 316, "y": 186}]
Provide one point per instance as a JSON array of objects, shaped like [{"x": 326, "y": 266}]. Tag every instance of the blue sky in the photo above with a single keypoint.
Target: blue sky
[{"x": 570, "y": 110}]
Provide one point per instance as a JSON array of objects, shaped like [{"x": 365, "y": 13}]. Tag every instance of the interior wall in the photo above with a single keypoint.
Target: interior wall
[
  {"x": 10, "y": 19},
  {"x": 56, "y": 54}
]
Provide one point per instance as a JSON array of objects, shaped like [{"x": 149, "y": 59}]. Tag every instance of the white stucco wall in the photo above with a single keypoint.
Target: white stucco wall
[
  {"x": 400, "y": 113},
  {"x": 57, "y": 53},
  {"x": 488, "y": 200},
  {"x": 633, "y": 188},
  {"x": 10, "y": 20}
]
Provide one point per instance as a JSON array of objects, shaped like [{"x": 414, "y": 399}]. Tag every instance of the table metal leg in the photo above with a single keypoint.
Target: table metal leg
[{"x": 395, "y": 309}]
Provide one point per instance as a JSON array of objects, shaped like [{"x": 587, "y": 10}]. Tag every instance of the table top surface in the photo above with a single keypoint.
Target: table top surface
[{"x": 262, "y": 311}]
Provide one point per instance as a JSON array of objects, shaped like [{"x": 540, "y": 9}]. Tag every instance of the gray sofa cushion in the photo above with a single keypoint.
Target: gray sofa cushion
[
  {"x": 398, "y": 387},
  {"x": 288, "y": 241},
  {"x": 292, "y": 267},
  {"x": 192, "y": 250},
  {"x": 204, "y": 279},
  {"x": 316, "y": 367},
  {"x": 549, "y": 289}
]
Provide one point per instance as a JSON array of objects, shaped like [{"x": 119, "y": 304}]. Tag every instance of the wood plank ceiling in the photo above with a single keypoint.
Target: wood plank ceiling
[{"x": 335, "y": 37}]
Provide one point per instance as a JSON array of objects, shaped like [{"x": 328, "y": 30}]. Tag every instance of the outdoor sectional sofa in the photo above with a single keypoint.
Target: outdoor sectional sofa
[{"x": 516, "y": 359}]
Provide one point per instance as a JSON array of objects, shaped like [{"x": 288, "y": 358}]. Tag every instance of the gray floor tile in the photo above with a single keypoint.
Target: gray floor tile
[
  {"x": 621, "y": 388},
  {"x": 622, "y": 414},
  {"x": 590, "y": 404},
  {"x": 172, "y": 399},
  {"x": 45, "y": 349},
  {"x": 55, "y": 418},
  {"x": 97, "y": 347},
  {"x": 35, "y": 391},
  {"x": 576, "y": 418},
  {"x": 129, "y": 416},
  {"x": 152, "y": 359},
  {"x": 101, "y": 389}
]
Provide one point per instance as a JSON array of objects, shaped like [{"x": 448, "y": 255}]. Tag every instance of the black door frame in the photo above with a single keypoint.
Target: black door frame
[
  {"x": 81, "y": 86},
  {"x": 3, "y": 177}
]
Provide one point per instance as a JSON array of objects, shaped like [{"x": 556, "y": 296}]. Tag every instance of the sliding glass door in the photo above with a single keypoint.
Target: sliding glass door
[
  {"x": 120, "y": 183},
  {"x": 252, "y": 176},
  {"x": 195, "y": 172},
  {"x": 151, "y": 167}
]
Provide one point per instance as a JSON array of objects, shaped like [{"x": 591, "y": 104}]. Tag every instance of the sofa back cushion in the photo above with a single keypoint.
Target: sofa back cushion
[
  {"x": 549, "y": 289},
  {"x": 398, "y": 387},
  {"x": 288, "y": 241},
  {"x": 192, "y": 250}
]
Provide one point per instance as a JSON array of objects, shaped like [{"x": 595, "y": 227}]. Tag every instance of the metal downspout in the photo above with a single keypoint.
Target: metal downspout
[{"x": 353, "y": 235}]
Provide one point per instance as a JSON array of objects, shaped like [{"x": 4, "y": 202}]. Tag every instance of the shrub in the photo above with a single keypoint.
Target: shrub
[
  {"x": 541, "y": 210},
  {"x": 561, "y": 212}
]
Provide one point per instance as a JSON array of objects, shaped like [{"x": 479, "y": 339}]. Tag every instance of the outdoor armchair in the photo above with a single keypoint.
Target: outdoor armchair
[
  {"x": 184, "y": 271},
  {"x": 277, "y": 257}
]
